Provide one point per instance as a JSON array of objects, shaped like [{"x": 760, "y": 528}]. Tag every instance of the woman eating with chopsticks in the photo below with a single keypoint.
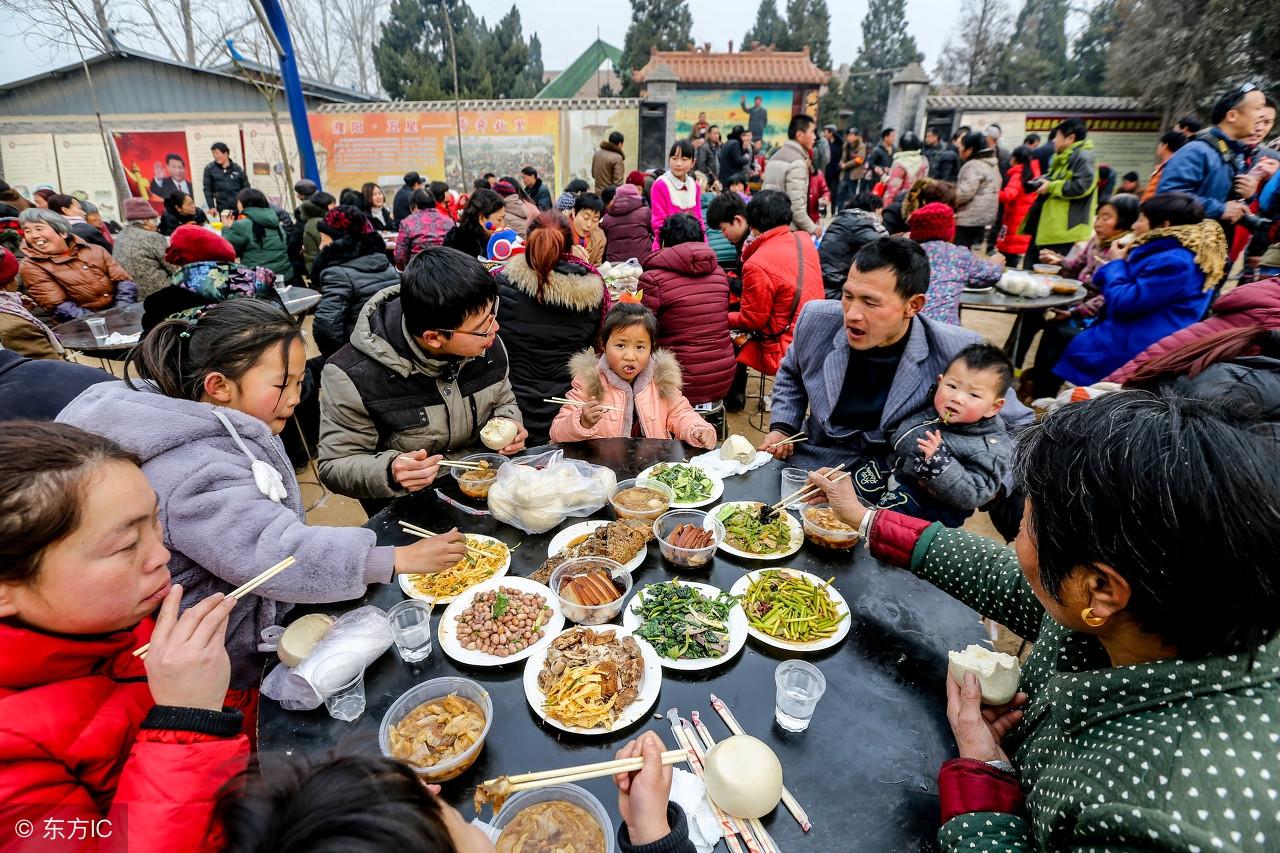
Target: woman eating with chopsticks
[
  {"x": 1144, "y": 572},
  {"x": 202, "y": 405},
  {"x": 88, "y": 732}
]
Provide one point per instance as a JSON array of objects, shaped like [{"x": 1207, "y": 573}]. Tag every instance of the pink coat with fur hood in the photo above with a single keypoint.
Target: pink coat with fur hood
[{"x": 654, "y": 397}]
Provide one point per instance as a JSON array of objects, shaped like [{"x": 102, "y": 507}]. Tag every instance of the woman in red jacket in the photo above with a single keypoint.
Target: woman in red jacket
[
  {"x": 685, "y": 288},
  {"x": 107, "y": 749},
  {"x": 1016, "y": 199}
]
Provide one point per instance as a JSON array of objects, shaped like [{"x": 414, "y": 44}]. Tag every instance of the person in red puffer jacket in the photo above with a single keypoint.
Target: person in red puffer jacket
[
  {"x": 134, "y": 750},
  {"x": 1017, "y": 197},
  {"x": 684, "y": 286}
]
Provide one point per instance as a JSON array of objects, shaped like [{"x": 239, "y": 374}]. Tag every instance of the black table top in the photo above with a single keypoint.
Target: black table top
[{"x": 866, "y": 769}]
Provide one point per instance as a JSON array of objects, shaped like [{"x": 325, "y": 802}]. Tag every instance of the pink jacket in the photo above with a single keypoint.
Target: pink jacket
[
  {"x": 661, "y": 206},
  {"x": 654, "y": 396}
]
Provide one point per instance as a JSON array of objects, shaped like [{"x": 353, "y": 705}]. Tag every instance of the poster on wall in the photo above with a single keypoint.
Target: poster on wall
[
  {"x": 582, "y": 131},
  {"x": 85, "y": 171},
  {"x": 1126, "y": 143},
  {"x": 765, "y": 112},
  {"x": 155, "y": 164},
  {"x": 29, "y": 162},
  {"x": 264, "y": 162},
  {"x": 200, "y": 138},
  {"x": 352, "y": 148}
]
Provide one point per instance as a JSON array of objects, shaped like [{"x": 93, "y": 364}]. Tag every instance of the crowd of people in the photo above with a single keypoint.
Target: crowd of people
[{"x": 132, "y": 516}]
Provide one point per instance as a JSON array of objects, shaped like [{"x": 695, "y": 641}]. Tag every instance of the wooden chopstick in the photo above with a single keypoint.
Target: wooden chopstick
[
  {"x": 565, "y": 401},
  {"x": 793, "y": 439},
  {"x": 239, "y": 592},
  {"x": 787, "y": 501},
  {"x": 466, "y": 466},
  {"x": 423, "y": 533},
  {"x": 788, "y": 798},
  {"x": 813, "y": 490},
  {"x": 529, "y": 781}
]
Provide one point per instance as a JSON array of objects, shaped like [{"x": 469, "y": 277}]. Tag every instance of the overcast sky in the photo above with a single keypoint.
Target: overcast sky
[{"x": 567, "y": 32}]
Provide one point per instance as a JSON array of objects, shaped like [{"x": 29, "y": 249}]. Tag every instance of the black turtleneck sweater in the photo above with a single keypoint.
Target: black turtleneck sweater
[{"x": 867, "y": 380}]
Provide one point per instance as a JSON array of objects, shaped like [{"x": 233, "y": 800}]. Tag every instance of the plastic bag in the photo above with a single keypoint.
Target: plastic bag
[
  {"x": 364, "y": 631},
  {"x": 621, "y": 275},
  {"x": 538, "y": 492}
]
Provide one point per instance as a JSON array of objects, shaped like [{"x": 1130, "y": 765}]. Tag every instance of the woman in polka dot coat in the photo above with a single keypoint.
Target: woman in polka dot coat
[{"x": 1144, "y": 574}]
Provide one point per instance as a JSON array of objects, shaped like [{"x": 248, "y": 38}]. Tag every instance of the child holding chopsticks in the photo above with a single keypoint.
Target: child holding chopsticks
[
  {"x": 202, "y": 404},
  {"x": 631, "y": 390},
  {"x": 90, "y": 734}
]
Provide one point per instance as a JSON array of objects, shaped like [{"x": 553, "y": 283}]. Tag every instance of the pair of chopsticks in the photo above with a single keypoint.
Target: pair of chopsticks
[
  {"x": 565, "y": 401},
  {"x": 788, "y": 798},
  {"x": 541, "y": 779},
  {"x": 794, "y": 439},
  {"x": 238, "y": 593},
  {"x": 423, "y": 533},
  {"x": 808, "y": 490},
  {"x": 466, "y": 466}
]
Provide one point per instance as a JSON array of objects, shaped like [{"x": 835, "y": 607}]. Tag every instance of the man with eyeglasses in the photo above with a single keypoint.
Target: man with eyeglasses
[
  {"x": 423, "y": 373},
  {"x": 1211, "y": 166}
]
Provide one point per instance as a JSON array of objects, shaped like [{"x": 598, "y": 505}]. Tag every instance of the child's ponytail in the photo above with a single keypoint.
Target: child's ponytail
[{"x": 226, "y": 338}]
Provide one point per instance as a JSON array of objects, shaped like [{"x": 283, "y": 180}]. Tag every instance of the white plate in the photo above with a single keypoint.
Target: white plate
[
  {"x": 717, "y": 485},
  {"x": 410, "y": 590},
  {"x": 797, "y": 534},
  {"x": 584, "y": 528},
  {"x": 448, "y": 631},
  {"x": 737, "y": 629},
  {"x": 649, "y": 687},
  {"x": 842, "y": 631}
]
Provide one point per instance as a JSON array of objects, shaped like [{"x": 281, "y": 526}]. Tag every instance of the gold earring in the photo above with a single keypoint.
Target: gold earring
[{"x": 1091, "y": 620}]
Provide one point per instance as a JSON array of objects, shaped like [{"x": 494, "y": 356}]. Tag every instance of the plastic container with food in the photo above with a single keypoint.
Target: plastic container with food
[
  {"x": 584, "y": 585},
  {"x": 476, "y": 483},
  {"x": 392, "y": 735},
  {"x": 566, "y": 823},
  {"x": 643, "y": 500},
  {"x": 824, "y": 528},
  {"x": 1046, "y": 269},
  {"x": 688, "y": 527}
]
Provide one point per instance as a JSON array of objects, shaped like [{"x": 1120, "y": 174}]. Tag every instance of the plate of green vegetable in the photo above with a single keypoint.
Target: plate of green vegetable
[
  {"x": 694, "y": 485},
  {"x": 691, "y": 625},
  {"x": 746, "y": 537},
  {"x": 792, "y": 610}
]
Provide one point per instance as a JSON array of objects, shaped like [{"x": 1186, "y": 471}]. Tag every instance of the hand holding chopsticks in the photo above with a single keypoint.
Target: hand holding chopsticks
[
  {"x": 807, "y": 491},
  {"x": 564, "y": 775},
  {"x": 188, "y": 666},
  {"x": 237, "y": 593}
]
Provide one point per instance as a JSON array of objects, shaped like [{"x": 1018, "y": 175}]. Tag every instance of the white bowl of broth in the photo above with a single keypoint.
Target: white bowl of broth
[{"x": 551, "y": 817}]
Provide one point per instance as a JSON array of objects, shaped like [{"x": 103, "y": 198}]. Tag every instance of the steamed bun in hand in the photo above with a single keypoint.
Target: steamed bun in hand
[
  {"x": 997, "y": 673},
  {"x": 498, "y": 433}
]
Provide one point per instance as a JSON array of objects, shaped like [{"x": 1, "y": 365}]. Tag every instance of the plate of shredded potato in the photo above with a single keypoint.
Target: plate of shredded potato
[
  {"x": 486, "y": 558},
  {"x": 593, "y": 681}
]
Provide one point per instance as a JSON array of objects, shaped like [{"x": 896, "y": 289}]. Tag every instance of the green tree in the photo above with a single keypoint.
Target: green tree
[
  {"x": 1038, "y": 53},
  {"x": 412, "y": 53},
  {"x": 809, "y": 23},
  {"x": 660, "y": 24},
  {"x": 1088, "y": 65},
  {"x": 769, "y": 27},
  {"x": 886, "y": 47}
]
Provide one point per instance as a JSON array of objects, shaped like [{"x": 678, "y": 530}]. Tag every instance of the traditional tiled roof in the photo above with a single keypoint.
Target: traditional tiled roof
[
  {"x": 749, "y": 66},
  {"x": 1030, "y": 103}
]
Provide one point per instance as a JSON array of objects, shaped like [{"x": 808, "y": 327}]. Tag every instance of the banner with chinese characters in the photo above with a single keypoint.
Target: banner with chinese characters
[
  {"x": 353, "y": 148},
  {"x": 1124, "y": 141}
]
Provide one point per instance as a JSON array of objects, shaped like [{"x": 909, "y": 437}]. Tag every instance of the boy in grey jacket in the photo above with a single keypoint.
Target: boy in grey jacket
[{"x": 952, "y": 456}]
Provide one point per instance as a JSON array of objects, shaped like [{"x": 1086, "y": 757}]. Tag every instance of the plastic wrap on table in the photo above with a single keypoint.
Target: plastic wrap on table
[
  {"x": 364, "y": 632},
  {"x": 536, "y": 493}
]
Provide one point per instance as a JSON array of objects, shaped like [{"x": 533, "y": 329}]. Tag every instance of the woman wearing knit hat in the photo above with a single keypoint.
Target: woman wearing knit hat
[
  {"x": 520, "y": 208},
  {"x": 952, "y": 268},
  {"x": 140, "y": 248},
  {"x": 207, "y": 274},
  {"x": 347, "y": 272},
  {"x": 20, "y": 331}
]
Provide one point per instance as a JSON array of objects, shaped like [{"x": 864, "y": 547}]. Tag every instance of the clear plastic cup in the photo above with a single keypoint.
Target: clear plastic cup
[
  {"x": 97, "y": 325},
  {"x": 793, "y": 479},
  {"x": 343, "y": 694},
  {"x": 800, "y": 686},
  {"x": 410, "y": 622}
]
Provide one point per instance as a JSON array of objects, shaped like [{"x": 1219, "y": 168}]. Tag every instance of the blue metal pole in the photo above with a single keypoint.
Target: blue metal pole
[{"x": 293, "y": 90}]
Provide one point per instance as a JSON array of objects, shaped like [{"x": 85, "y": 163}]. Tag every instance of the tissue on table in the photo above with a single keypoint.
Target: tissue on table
[
  {"x": 722, "y": 468},
  {"x": 364, "y": 632},
  {"x": 115, "y": 339}
]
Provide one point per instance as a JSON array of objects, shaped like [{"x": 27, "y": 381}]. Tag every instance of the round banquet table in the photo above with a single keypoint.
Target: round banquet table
[
  {"x": 994, "y": 299},
  {"x": 866, "y": 769}
]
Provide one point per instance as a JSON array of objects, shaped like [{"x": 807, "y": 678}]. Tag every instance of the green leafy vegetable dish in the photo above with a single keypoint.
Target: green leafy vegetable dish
[
  {"x": 744, "y": 531},
  {"x": 689, "y": 482},
  {"x": 683, "y": 624}
]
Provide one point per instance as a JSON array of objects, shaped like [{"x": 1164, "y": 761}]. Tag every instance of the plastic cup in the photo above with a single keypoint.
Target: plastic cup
[
  {"x": 410, "y": 622},
  {"x": 343, "y": 694},
  {"x": 98, "y": 326},
  {"x": 800, "y": 686},
  {"x": 793, "y": 479}
]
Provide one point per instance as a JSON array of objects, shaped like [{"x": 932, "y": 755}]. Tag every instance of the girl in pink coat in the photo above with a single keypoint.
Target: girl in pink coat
[
  {"x": 675, "y": 191},
  {"x": 630, "y": 391}
]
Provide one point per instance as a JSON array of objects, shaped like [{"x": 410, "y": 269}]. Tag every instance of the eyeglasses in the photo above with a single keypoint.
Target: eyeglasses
[{"x": 484, "y": 333}]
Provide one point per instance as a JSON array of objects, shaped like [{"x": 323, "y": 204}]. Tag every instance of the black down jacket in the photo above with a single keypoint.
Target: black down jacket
[
  {"x": 1248, "y": 383},
  {"x": 848, "y": 232},
  {"x": 346, "y": 284}
]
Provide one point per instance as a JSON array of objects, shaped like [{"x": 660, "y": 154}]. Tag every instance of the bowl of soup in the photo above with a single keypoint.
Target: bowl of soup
[{"x": 643, "y": 499}]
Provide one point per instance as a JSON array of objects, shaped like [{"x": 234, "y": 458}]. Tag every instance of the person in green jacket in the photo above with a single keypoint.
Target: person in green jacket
[
  {"x": 1068, "y": 194},
  {"x": 1144, "y": 573},
  {"x": 257, "y": 235}
]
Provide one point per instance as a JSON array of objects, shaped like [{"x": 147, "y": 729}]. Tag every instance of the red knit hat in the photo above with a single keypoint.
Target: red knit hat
[
  {"x": 8, "y": 266},
  {"x": 192, "y": 243},
  {"x": 636, "y": 179},
  {"x": 933, "y": 221}
]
